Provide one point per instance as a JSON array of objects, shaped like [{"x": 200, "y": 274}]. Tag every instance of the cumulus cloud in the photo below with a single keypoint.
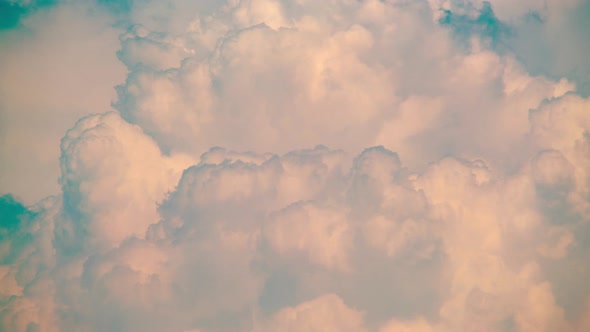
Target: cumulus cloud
[
  {"x": 326, "y": 313},
  {"x": 311, "y": 166}
]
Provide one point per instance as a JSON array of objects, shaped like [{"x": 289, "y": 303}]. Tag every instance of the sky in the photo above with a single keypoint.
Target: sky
[{"x": 274, "y": 165}]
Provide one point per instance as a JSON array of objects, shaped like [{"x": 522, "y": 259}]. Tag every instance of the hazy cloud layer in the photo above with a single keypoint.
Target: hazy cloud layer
[
  {"x": 57, "y": 66},
  {"x": 301, "y": 166}
]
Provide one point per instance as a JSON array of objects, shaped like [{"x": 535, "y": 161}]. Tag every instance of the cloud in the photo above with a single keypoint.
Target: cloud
[
  {"x": 312, "y": 75},
  {"x": 453, "y": 195},
  {"x": 113, "y": 176},
  {"x": 58, "y": 66},
  {"x": 326, "y": 313}
]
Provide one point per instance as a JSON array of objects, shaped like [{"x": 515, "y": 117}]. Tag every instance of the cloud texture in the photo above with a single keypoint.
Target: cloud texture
[
  {"x": 58, "y": 65},
  {"x": 299, "y": 165}
]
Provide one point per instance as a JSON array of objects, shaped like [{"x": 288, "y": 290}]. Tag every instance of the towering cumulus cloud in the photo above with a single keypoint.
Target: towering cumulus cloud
[{"x": 342, "y": 165}]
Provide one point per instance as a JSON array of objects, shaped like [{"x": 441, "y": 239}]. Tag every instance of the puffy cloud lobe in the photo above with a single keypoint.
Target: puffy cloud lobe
[
  {"x": 562, "y": 125},
  {"x": 311, "y": 98},
  {"x": 320, "y": 235},
  {"x": 468, "y": 226},
  {"x": 326, "y": 313},
  {"x": 314, "y": 68},
  {"x": 112, "y": 178}
]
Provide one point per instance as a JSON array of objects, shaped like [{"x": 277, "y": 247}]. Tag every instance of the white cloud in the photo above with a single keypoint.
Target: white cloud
[
  {"x": 312, "y": 74},
  {"x": 467, "y": 226},
  {"x": 326, "y": 313},
  {"x": 113, "y": 177}
]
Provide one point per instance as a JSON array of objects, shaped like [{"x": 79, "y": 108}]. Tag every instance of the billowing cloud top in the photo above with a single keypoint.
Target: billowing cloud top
[{"x": 269, "y": 165}]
